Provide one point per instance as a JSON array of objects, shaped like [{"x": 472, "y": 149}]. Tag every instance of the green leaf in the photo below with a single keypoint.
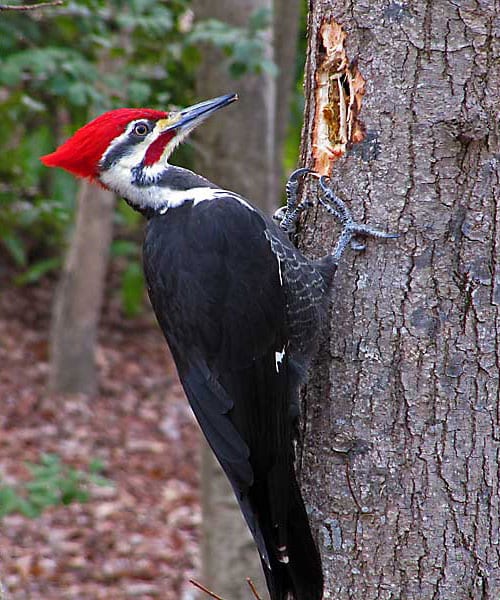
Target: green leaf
[
  {"x": 28, "y": 509},
  {"x": 132, "y": 289},
  {"x": 78, "y": 93},
  {"x": 260, "y": 19},
  {"x": 38, "y": 270},
  {"x": 139, "y": 92},
  {"x": 100, "y": 481},
  {"x": 96, "y": 466},
  {"x": 124, "y": 248},
  {"x": 9, "y": 500},
  {"x": 74, "y": 494},
  {"x": 15, "y": 246}
]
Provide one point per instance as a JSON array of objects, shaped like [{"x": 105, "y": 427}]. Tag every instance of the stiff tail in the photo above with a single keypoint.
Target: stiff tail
[{"x": 292, "y": 565}]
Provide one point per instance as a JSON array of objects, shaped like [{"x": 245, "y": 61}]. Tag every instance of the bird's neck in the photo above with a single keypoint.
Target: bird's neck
[{"x": 153, "y": 191}]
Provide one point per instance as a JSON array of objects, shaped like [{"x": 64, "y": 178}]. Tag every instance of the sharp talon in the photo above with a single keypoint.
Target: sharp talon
[
  {"x": 279, "y": 214},
  {"x": 289, "y": 215},
  {"x": 337, "y": 207},
  {"x": 299, "y": 173}
]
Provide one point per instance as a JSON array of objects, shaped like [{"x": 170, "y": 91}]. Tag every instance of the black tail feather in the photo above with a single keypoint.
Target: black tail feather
[{"x": 294, "y": 572}]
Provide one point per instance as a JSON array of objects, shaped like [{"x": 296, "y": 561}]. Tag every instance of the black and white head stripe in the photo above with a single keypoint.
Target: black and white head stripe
[{"x": 134, "y": 142}]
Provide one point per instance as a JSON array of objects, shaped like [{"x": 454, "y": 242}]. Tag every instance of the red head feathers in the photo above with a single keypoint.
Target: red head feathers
[{"x": 81, "y": 154}]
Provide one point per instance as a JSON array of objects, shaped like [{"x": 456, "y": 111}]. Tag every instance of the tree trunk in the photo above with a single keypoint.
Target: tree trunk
[
  {"x": 77, "y": 305},
  {"x": 238, "y": 147},
  {"x": 401, "y": 413},
  {"x": 238, "y": 150}
]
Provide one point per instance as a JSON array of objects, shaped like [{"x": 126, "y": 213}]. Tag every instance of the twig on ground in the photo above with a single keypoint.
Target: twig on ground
[
  {"x": 206, "y": 590},
  {"x": 253, "y": 588}
]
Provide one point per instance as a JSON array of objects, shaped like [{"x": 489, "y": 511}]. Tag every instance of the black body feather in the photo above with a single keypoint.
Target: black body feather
[{"x": 240, "y": 308}]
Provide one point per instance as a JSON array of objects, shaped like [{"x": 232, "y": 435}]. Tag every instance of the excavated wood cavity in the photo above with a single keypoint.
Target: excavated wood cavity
[{"x": 339, "y": 92}]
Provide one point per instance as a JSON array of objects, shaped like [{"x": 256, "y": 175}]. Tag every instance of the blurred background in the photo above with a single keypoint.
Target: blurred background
[{"x": 105, "y": 491}]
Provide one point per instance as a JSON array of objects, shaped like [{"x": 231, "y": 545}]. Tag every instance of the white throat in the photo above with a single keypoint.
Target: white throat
[{"x": 155, "y": 196}]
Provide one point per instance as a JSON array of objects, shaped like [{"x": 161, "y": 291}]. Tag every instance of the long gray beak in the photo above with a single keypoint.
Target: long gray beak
[{"x": 193, "y": 115}]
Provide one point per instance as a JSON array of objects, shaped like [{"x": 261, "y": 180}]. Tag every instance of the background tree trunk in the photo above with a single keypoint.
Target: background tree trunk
[
  {"x": 77, "y": 305},
  {"x": 241, "y": 150},
  {"x": 402, "y": 436},
  {"x": 286, "y": 26},
  {"x": 238, "y": 148}
]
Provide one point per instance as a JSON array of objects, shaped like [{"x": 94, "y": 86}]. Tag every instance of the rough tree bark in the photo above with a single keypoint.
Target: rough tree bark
[
  {"x": 241, "y": 149},
  {"x": 401, "y": 428},
  {"x": 78, "y": 300}
]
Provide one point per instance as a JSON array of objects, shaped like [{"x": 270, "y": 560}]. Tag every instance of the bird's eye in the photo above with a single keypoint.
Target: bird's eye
[{"x": 141, "y": 129}]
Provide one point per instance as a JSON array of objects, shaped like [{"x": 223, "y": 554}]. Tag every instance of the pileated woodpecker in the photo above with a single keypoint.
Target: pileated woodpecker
[{"x": 240, "y": 308}]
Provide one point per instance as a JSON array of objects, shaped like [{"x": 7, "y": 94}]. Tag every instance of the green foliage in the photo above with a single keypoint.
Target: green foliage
[
  {"x": 38, "y": 269},
  {"x": 244, "y": 47},
  {"x": 56, "y": 72},
  {"x": 52, "y": 483},
  {"x": 292, "y": 141},
  {"x": 132, "y": 277}
]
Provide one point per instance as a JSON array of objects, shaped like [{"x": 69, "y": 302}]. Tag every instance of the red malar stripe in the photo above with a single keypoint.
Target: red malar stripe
[{"x": 154, "y": 152}]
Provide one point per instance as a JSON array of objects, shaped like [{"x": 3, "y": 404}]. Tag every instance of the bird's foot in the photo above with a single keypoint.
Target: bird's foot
[
  {"x": 288, "y": 215},
  {"x": 351, "y": 231}
]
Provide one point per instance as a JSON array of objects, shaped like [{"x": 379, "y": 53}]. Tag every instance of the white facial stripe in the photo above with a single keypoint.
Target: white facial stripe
[
  {"x": 136, "y": 152},
  {"x": 148, "y": 193},
  {"x": 156, "y": 197},
  {"x": 171, "y": 146}
]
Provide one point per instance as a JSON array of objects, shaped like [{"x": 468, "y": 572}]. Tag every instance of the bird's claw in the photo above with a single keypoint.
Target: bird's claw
[
  {"x": 288, "y": 215},
  {"x": 351, "y": 229}
]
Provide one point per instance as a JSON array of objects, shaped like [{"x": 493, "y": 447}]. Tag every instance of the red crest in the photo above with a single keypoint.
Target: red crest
[{"x": 81, "y": 153}]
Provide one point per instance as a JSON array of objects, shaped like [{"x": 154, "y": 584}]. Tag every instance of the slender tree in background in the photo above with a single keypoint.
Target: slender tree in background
[
  {"x": 78, "y": 300},
  {"x": 241, "y": 151},
  {"x": 401, "y": 429},
  {"x": 76, "y": 309},
  {"x": 254, "y": 136}
]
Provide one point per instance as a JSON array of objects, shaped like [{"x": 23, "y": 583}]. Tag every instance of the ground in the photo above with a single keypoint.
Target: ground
[{"x": 137, "y": 538}]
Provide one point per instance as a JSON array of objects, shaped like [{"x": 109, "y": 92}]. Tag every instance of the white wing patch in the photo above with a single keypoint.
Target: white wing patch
[
  {"x": 279, "y": 270},
  {"x": 283, "y": 556},
  {"x": 175, "y": 198},
  {"x": 278, "y": 357}
]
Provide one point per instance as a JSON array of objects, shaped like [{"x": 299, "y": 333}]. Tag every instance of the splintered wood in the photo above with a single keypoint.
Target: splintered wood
[{"x": 339, "y": 92}]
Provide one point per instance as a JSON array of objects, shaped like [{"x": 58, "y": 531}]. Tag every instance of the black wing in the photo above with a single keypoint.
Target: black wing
[{"x": 216, "y": 289}]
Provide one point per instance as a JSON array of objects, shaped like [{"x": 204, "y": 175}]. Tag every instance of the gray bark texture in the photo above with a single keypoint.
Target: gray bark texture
[
  {"x": 240, "y": 150},
  {"x": 77, "y": 305},
  {"x": 400, "y": 460}
]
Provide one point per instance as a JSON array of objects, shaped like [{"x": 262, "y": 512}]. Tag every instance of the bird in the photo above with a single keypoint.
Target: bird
[{"x": 240, "y": 307}]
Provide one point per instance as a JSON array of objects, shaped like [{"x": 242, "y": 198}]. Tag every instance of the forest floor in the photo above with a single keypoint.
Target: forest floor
[{"x": 136, "y": 537}]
